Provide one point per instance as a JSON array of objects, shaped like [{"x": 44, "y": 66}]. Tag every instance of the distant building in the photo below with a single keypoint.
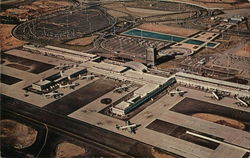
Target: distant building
[
  {"x": 140, "y": 96},
  {"x": 73, "y": 72},
  {"x": 209, "y": 83},
  {"x": 41, "y": 85},
  {"x": 52, "y": 82},
  {"x": 151, "y": 56}
]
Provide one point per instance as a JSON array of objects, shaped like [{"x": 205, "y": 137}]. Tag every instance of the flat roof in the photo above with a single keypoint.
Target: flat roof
[
  {"x": 122, "y": 105},
  {"x": 71, "y": 51},
  {"x": 73, "y": 70},
  {"x": 146, "y": 77},
  {"x": 110, "y": 67},
  {"x": 42, "y": 82},
  {"x": 147, "y": 88}
]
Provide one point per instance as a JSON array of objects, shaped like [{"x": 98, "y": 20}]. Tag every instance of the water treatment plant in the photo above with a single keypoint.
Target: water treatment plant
[{"x": 146, "y": 79}]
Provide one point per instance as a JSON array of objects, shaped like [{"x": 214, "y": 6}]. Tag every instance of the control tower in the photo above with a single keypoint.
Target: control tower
[{"x": 151, "y": 56}]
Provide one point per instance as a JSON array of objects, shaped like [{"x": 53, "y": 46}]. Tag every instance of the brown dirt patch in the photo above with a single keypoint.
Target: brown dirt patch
[
  {"x": 158, "y": 154},
  {"x": 7, "y": 40},
  {"x": 9, "y": 2},
  {"x": 66, "y": 150},
  {"x": 146, "y": 12},
  {"x": 36, "y": 8},
  {"x": 230, "y": 4},
  {"x": 220, "y": 120},
  {"x": 16, "y": 134},
  {"x": 244, "y": 52},
  {"x": 168, "y": 29},
  {"x": 116, "y": 14},
  {"x": 83, "y": 41}
]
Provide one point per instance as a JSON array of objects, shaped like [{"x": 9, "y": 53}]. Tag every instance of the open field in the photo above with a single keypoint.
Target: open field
[
  {"x": 147, "y": 8},
  {"x": 220, "y": 120},
  {"x": 116, "y": 13},
  {"x": 146, "y": 12},
  {"x": 158, "y": 154},
  {"x": 82, "y": 41},
  {"x": 229, "y": 4},
  {"x": 162, "y": 6},
  {"x": 36, "y": 8},
  {"x": 67, "y": 149},
  {"x": 244, "y": 51},
  {"x": 168, "y": 29},
  {"x": 10, "y": 1},
  {"x": 7, "y": 40},
  {"x": 16, "y": 134},
  {"x": 190, "y": 106}
]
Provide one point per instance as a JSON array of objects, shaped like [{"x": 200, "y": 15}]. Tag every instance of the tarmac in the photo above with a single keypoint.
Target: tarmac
[{"x": 160, "y": 109}]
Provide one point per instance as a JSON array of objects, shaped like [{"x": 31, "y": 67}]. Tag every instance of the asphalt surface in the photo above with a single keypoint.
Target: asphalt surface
[
  {"x": 190, "y": 106},
  {"x": 81, "y": 97},
  {"x": 101, "y": 138}
]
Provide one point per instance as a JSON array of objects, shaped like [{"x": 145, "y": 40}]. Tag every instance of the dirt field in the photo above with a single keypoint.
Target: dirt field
[
  {"x": 157, "y": 154},
  {"x": 8, "y": 2},
  {"x": 16, "y": 134},
  {"x": 191, "y": 106},
  {"x": 220, "y": 120},
  {"x": 83, "y": 41},
  {"x": 146, "y": 12},
  {"x": 244, "y": 52},
  {"x": 137, "y": 12},
  {"x": 7, "y": 40},
  {"x": 116, "y": 14},
  {"x": 36, "y": 8},
  {"x": 66, "y": 150},
  {"x": 229, "y": 5},
  {"x": 168, "y": 29}
]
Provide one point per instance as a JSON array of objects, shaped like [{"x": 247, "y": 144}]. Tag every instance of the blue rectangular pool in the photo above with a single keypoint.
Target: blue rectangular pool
[
  {"x": 153, "y": 35},
  {"x": 165, "y": 37}
]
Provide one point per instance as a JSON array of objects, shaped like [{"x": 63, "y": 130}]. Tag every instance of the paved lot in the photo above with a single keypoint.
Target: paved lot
[
  {"x": 160, "y": 110},
  {"x": 89, "y": 111}
]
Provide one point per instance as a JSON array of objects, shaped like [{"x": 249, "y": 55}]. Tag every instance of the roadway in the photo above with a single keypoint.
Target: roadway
[{"x": 101, "y": 138}]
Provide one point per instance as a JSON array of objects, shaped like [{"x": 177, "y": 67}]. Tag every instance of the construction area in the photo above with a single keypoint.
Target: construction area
[{"x": 125, "y": 79}]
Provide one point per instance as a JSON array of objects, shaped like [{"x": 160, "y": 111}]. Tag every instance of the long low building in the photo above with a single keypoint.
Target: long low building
[
  {"x": 52, "y": 82},
  {"x": 141, "y": 96},
  {"x": 62, "y": 53},
  {"x": 209, "y": 83}
]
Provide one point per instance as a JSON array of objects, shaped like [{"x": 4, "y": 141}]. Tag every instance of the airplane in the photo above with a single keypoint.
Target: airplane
[
  {"x": 241, "y": 102},
  {"x": 177, "y": 91},
  {"x": 129, "y": 127},
  {"x": 87, "y": 77},
  {"x": 216, "y": 94},
  {"x": 54, "y": 94},
  {"x": 62, "y": 67},
  {"x": 121, "y": 89},
  {"x": 69, "y": 85}
]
